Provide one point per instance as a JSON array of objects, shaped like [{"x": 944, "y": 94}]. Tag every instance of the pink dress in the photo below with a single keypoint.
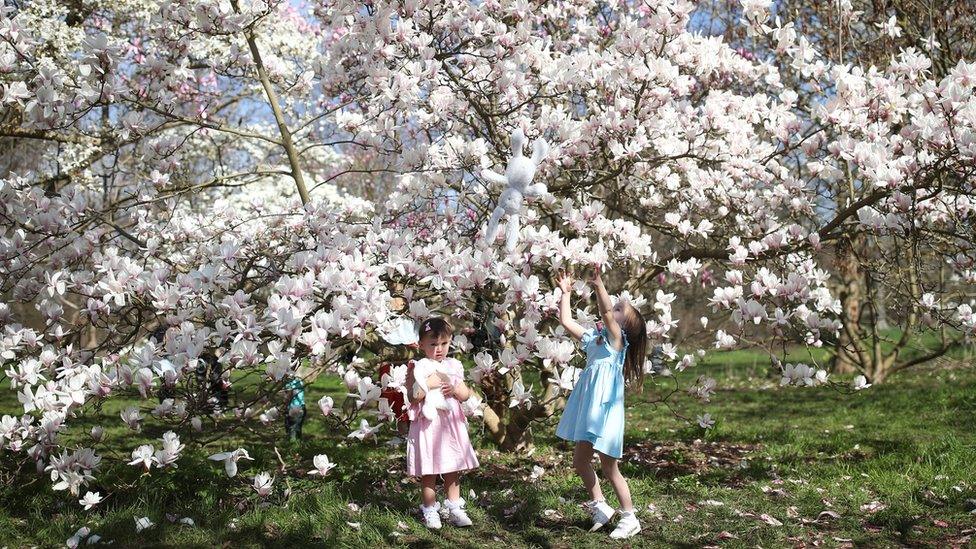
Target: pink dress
[{"x": 440, "y": 445}]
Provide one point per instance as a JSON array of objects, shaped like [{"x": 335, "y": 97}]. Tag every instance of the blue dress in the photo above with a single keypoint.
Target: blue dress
[{"x": 595, "y": 409}]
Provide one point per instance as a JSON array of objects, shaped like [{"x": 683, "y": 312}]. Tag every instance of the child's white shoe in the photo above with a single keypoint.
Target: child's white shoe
[
  {"x": 432, "y": 519},
  {"x": 628, "y": 526},
  {"x": 600, "y": 512},
  {"x": 455, "y": 513}
]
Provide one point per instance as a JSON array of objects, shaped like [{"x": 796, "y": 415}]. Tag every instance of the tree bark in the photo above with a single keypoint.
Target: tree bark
[
  {"x": 290, "y": 151},
  {"x": 850, "y": 294}
]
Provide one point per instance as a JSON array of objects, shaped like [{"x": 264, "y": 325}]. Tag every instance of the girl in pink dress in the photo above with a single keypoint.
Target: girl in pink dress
[{"x": 438, "y": 442}]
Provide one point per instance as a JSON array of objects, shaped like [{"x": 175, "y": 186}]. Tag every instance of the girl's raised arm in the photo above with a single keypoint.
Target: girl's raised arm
[
  {"x": 606, "y": 309},
  {"x": 565, "y": 314}
]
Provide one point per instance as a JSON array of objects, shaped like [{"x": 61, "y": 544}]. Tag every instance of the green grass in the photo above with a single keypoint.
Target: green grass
[{"x": 789, "y": 454}]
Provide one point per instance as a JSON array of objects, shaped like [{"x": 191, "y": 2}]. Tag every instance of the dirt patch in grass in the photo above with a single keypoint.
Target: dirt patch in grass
[{"x": 672, "y": 459}]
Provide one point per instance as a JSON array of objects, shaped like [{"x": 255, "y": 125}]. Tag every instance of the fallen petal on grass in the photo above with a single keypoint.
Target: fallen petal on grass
[
  {"x": 828, "y": 514},
  {"x": 873, "y": 507}
]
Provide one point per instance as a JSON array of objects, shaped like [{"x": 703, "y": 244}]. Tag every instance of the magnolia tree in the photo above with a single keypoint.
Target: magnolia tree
[
  {"x": 880, "y": 277},
  {"x": 198, "y": 190}
]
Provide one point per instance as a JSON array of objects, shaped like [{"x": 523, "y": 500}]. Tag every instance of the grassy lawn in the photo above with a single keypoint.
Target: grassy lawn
[{"x": 889, "y": 466}]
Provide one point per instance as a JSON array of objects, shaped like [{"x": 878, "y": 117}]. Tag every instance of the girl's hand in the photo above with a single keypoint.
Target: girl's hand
[
  {"x": 448, "y": 391},
  {"x": 565, "y": 282},
  {"x": 460, "y": 391},
  {"x": 434, "y": 381},
  {"x": 595, "y": 278}
]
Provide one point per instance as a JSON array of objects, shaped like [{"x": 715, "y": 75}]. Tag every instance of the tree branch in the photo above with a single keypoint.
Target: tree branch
[{"x": 286, "y": 142}]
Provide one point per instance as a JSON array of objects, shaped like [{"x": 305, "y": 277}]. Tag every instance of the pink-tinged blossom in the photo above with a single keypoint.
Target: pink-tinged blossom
[
  {"x": 322, "y": 465},
  {"x": 263, "y": 483},
  {"x": 230, "y": 460},
  {"x": 144, "y": 456}
]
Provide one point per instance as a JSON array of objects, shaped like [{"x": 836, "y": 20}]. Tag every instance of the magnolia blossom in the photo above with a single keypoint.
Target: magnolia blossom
[
  {"x": 170, "y": 451},
  {"x": 484, "y": 365},
  {"x": 262, "y": 484},
  {"x": 73, "y": 470},
  {"x": 860, "y": 383},
  {"x": 964, "y": 312},
  {"x": 131, "y": 417},
  {"x": 351, "y": 379},
  {"x": 568, "y": 378},
  {"x": 801, "y": 374},
  {"x": 724, "y": 340},
  {"x": 890, "y": 27},
  {"x": 326, "y": 404},
  {"x": 322, "y": 465},
  {"x": 367, "y": 392},
  {"x": 364, "y": 431},
  {"x": 269, "y": 416},
  {"x": 520, "y": 396},
  {"x": 384, "y": 412},
  {"x": 75, "y": 540},
  {"x": 704, "y": 389},
  {"x": 396, "y": 378},
  {"x": 144, "y": 455},
  {"x": 705, "y": 421},
  {"x": 90, "y": 500},
  {"x": 404, "y": 332},
  {"x": 143, "y": 523},
  {"x": 474, "y": 406},
  {"x": 230, "y": 460}
]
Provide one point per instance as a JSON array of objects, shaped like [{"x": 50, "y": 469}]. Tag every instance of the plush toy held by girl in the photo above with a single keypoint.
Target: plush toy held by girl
[
  {"x": 594, "y": 414},
  {"x": 438, "y": 442}
]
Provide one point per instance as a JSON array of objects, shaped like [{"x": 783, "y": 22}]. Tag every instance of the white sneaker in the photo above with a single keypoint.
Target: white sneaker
[
  {"x": 628, "y": 526},
  {"x": 600, "y": 512},
  {"x": 432, "y": 519},
  {"x": 456, "y": 514}
]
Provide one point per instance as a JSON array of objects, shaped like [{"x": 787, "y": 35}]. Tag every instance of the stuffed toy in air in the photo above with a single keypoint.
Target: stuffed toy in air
[{"x": 518, "y": 184}]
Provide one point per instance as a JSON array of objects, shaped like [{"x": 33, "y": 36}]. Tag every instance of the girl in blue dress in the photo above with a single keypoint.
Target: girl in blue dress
[{"x": 594, "y": 414}]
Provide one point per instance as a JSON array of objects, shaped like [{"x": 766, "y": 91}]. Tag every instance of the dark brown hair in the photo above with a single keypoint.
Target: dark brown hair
[
  {"x": 435, "y": 327},
  {"x": 635, "y": 329}
]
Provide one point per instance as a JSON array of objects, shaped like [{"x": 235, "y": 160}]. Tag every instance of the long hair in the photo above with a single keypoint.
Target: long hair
[{"x": 636, "y": 331}]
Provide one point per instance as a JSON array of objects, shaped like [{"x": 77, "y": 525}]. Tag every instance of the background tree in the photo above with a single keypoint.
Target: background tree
[{"x": 879, "y": 280}]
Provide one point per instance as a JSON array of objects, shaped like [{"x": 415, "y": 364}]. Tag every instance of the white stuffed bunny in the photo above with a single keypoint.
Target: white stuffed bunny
[
  {"x": 434, "y": 401},
  {"x": 518, "y": 180}
]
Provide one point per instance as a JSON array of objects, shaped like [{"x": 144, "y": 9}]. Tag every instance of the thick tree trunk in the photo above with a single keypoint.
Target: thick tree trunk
[
  {"x": 511, "y": 427},
  {"x": 850, "y": 294}
]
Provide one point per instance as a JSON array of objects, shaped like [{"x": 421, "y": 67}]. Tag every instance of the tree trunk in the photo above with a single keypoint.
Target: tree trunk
[
  {"x": 511, "y": 427},
  {"x": 846, "y": 266},
  {"x": 882, "y": 307}
]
